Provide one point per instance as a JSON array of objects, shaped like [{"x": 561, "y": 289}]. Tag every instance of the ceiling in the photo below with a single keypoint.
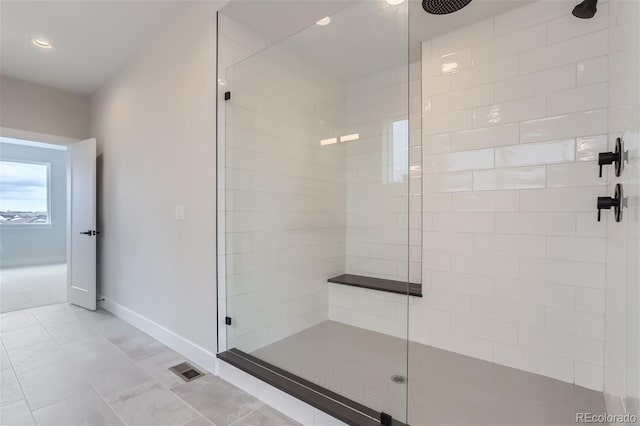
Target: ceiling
[
  {"x": 364, "y": 37},
  {"x": 92, "y": 39},
  {"x": 279, "y": 19}
]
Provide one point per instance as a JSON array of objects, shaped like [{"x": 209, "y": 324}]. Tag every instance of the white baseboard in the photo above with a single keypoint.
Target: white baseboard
[
  {"x": 188, "y": 349},
  {"x": 33, "y": 262}
]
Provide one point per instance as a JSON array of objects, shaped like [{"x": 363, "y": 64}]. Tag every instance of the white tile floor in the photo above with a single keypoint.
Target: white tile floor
[
  {"x": 63, "y": 365},
  {"x": 30, "y": 286}
]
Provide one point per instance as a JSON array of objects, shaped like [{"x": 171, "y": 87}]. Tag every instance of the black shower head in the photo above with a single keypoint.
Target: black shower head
[
  {"x": 586, "y": 9},
  {"x": 442, "y": 7}
]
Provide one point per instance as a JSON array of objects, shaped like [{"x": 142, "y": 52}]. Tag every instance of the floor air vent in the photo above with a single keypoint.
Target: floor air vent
[{"x": 186, "y": 371}]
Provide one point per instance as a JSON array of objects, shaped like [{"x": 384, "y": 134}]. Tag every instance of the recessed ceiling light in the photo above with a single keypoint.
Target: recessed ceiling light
[
  {"x": 329, "y": 141},
  {"x": 349, "y": 138},
  {"x": 324, "y": 21},
  {"x": 41, "y": 43},
  {"x": 395, "y": 2}
]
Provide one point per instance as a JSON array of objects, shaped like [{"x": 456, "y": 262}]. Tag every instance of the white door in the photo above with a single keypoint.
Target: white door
[{"x": 81, "y": 224}]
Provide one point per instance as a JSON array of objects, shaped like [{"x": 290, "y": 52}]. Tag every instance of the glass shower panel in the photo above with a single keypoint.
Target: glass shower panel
[
  {"x": 624, "y": 119},
  {"x": 316, "y": 187}
]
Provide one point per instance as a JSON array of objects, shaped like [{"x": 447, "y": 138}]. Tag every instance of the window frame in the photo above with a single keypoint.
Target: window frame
[{"x": 9, "y": 226}]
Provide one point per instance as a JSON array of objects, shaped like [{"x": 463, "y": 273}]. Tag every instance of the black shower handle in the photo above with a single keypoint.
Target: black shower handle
[
  {"x": 617, "y": 157},
  {"x": 605, "y": 158},
  {"x": 617, "y": 202}
]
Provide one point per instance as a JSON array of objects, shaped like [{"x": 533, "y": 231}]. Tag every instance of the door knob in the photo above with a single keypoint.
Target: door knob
[
  {"x": 90, "y": 233},
  {"x": 618, "y": 157},
  {"x": 617, "y": 203}
]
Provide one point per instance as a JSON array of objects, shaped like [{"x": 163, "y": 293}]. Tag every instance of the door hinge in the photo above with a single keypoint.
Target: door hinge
[
  {"x": 227, "y": 96},
  {"x": 386, "y": 419},
  {"x": 227, "y": 320}
]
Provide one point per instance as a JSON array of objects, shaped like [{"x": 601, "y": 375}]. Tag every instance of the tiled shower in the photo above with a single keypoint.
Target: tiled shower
[{"x": 458, "y": 153}]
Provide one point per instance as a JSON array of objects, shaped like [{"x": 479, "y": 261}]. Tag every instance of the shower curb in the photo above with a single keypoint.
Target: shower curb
[{"x": 338, "y": 406}]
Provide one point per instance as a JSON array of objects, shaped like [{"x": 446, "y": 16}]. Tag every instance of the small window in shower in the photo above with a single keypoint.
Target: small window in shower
[{"x": 398, "y": 152}]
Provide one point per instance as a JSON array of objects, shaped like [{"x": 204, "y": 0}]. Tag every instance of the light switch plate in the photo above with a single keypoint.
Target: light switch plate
[{"x": 179, "y": 212}]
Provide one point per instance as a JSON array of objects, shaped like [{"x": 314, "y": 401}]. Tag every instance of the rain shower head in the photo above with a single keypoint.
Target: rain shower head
[
  {"x": 442, "y": 7},
  {"x": 586, "y": 9}
]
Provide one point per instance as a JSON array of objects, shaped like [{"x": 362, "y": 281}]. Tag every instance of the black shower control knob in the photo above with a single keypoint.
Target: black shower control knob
[
  {"x": 616, "y": 202},
  {"x": 606, "y": 158},
  {"x": 607, "y": 202},
  {"x": 617, "y": 157}
]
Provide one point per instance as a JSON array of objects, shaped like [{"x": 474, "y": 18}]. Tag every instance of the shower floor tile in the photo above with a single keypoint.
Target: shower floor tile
[{"x": 444, "y": 388}]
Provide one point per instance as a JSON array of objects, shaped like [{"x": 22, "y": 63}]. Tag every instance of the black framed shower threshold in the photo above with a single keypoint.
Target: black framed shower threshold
[{"x": 336, "y": 405}]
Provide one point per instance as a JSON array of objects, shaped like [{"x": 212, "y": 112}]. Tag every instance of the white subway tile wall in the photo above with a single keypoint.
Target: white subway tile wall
[
  {"x": 384, "y": 220},
  {"x": 514, "y": 114},
  {"x": 506, "y": 118},
  {"x": 377, "y": 201}
]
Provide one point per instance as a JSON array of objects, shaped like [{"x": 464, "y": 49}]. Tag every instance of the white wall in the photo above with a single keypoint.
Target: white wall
[
  {"x": 622, "y": 325},
  {"x": 515, "y": 112},
  {"x": 38, "y": 244},
  {"x": 155, "y": 125},
  {"x": 35, "y": 108}
]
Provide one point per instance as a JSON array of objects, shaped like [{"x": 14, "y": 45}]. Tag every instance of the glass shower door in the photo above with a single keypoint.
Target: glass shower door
[{"x": 316, "y": 143}]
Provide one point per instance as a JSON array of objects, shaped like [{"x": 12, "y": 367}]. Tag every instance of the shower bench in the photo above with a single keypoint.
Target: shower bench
[{"x": 390, "y": 286}]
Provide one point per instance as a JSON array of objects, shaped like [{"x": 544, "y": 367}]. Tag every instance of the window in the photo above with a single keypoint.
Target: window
[
  {"x": 24, "y": 193},
  {"x": 399, "y": 151}
]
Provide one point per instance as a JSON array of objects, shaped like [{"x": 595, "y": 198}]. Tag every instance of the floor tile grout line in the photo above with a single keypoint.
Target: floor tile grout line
[
  {"x": 248, "y": 414},
  {"x": 198, "y": 411},
  {"x": 116, "y": 346},
  {"x": 24, "y": 396},
  {"x": 15, "y": 373},
  {"x": 7, "y": 354},
  {"x": 106, "y": 402},
  {"x": 70, "y": 360},
  {"x": 103, "y": 397},
  {"x": 152, "y": 378},
  {"x": 200, "y": 414},
  {"x": 100, "y": 395},
  {"x": 23, "y": 328},
  {"x": 65, "y": 354}
]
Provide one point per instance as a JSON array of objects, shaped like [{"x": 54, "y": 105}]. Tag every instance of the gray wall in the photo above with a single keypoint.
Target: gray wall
[
  {"x": 38, "y": 245},
  {"x": 36, "y": 108},
  {"x": 155, "y": 126}
]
